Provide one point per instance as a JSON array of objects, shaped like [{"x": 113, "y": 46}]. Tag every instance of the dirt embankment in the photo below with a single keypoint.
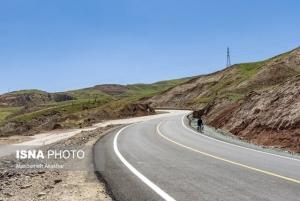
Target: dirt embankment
[
  {"x": 137, "y": 110},
  {"x": 51, "y": 185},
  {"x": 270, "y": 118}
]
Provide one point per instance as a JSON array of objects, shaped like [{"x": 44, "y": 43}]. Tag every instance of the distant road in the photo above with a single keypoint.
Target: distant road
[
  {"x": 162, "y": 159},
  {"x": 49, "y": 137}
]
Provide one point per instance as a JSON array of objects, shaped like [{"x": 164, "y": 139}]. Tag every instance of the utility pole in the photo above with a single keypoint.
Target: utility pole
[{"x": 228, "y": 58}]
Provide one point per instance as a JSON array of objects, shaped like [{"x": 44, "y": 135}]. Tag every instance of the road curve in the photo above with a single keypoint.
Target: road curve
[{"x": 162, "y": 159}]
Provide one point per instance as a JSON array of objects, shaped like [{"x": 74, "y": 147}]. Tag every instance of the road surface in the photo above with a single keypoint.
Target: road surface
[
  {"x": 50, "y": 137},
  {"x": 163, "y": 159}
]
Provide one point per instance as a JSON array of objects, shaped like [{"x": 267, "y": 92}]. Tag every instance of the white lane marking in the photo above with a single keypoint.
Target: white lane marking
[
  {"x": 225, "y": 160},
  {"x": 285, "y": 157},
  {"x": 144, "y": 179}
]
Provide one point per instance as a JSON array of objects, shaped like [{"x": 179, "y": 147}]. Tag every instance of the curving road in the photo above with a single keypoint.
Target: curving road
[{"x": 162, "y": 159}]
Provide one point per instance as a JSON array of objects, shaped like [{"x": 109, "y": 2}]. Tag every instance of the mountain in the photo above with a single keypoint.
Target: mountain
[
  {"x": 259, "y": 102},
  {"x": 31, "y": 111}
]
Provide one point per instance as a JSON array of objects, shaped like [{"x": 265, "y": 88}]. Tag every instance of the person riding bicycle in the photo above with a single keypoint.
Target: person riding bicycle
[{"x": 200, "y": 124}]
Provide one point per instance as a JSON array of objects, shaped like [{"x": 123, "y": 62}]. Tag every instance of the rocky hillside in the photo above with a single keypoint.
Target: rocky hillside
[
  {"x": 232, "y": 83},
  {"x": 32, "y": 98},
  {"x": 270, "y": 117},
  {"x": 259, "y": 102}
]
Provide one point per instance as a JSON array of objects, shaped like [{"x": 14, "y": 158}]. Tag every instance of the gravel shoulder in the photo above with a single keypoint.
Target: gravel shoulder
[{"x": 23, "y": 185}]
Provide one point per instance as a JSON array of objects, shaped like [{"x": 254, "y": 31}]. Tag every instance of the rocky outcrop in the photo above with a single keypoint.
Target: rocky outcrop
[
  {"x": 60, "y": 97},
  {"x": 23, "y": 99},
  {"x": 32, "y": 98},
  {"x": 137, "y": 109}
]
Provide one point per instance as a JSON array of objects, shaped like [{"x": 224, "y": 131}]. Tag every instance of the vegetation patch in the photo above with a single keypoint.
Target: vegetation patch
[
  {"x": 247, "y": 70},
  {"x": 7, "y": 111}
]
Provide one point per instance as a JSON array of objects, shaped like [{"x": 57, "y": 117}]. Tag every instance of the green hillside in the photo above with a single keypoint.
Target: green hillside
[
  {"x": 34, "y": 107},
  {"x": 232, "y": 83}
]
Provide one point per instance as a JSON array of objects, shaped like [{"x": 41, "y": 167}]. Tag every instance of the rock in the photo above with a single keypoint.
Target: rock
[
  {"x": 9, "y": 194},
  {"x": 25, "y": 186},
  {"x": 48, "y": 187},
  {"x": 10, "y": 174},
  {"x": 6, "y": 161},
  {"x": 56, "y": 181},
  {"x": 57, "y": 126},
  {"x": 41, "y": 194}
]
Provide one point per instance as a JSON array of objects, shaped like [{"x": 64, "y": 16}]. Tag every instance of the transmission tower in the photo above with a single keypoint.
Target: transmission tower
[{"x": 228, "y": 58}]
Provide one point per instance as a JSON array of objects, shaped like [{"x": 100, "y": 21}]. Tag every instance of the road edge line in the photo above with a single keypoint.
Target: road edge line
[
  {"x": 226, "y": 160},
  {"x": 235, "y": 145},
  {"x": 144, "y": 179}
]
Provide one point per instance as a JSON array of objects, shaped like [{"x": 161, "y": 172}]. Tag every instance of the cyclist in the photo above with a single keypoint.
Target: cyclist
[{"x": 200, "y": 125}]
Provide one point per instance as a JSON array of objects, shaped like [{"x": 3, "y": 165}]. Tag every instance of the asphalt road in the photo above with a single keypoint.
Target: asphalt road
[{"x": 162, "y": 159}]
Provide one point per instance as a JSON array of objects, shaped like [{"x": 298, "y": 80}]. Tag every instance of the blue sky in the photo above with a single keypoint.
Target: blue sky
[{"x": 57, "y": 45}]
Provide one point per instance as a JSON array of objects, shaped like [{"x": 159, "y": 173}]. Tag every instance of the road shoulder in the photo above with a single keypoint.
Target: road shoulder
[{"x": 56, "y": 185}]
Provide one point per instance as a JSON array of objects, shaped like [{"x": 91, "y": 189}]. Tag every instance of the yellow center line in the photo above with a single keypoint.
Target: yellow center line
[{"x": 226, "y": 160}]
